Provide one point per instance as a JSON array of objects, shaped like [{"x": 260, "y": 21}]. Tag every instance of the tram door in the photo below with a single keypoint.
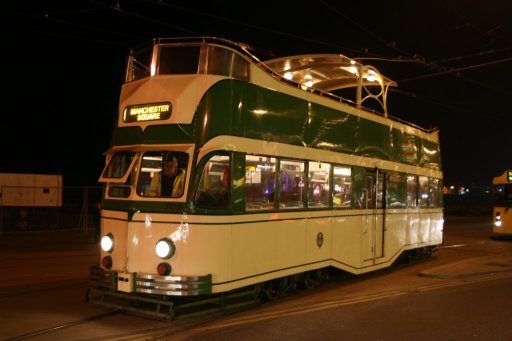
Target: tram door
[{"x": 373, "y": 219}]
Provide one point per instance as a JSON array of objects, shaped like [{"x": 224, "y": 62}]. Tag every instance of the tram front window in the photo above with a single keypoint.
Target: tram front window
[{"x": 162, "y": 174}]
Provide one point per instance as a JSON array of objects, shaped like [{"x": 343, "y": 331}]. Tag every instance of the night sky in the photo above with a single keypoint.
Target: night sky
[{"x": 64, "y": 63}]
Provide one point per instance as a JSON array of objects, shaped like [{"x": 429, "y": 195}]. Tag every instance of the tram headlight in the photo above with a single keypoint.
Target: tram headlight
[
  {"x": 165, "y": 248},
  {"x": 107, "y": 243},
  {"x": 498, "y": 222}
]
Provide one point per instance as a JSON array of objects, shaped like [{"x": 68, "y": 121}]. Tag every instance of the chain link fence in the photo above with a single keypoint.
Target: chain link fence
[{"x": 79, "y": 209}]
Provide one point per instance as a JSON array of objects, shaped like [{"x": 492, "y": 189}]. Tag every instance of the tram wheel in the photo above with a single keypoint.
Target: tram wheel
[
  {"x": 278, "y": 287},
  {"x": 314, "y": 278}
]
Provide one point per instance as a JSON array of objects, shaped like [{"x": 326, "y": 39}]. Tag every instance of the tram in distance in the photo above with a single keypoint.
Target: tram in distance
[
  {"x": 502, "y": 203},
  {"x": 226, "y": 171}
]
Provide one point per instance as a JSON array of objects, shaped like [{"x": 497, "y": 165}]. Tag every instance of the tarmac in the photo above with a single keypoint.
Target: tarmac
[{"x": 477, "y": 266}]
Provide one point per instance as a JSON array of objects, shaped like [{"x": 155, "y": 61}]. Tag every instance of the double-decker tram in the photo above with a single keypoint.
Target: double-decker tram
[
  {"x": 226, "y": 172},
  {"x": 502, "y": 203}
]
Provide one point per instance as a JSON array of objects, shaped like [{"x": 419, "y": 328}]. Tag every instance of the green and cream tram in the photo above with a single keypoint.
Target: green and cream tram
[{"x": 280, "y": 176}]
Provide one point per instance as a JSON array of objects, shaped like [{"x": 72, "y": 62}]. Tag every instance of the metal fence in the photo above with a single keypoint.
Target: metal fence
[{"x": 79, "y": 209}]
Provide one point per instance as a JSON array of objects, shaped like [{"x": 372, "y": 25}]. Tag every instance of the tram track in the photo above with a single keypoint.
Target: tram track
[
  {"x": 54, "y": 329},
  {"x": 227, "y": 319},
  {"x": 347, "y": 301}
]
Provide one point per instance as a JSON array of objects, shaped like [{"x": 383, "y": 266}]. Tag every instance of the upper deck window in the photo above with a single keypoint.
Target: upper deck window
[
  {"x": 181, "y": 59},
  {"x": 225, "y": 62},
  {"x": 187, "y": 59},
  {"x": 139, "y": 64}
]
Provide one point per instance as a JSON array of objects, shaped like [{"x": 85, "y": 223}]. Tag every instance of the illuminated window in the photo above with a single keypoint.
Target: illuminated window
[
  {"x": 162, "y": 174},
  {"x": 396, "y": 191},
  {"x": 342, "y": 190},
  {"x": 318, "y": 184},
  {"x": 260, "y": 174},
  {"x": 433, "y": 194},
  {"x": 412, "y": 191},
  {"x": 292, "y": 180},
  {"x": 213, "y": 189},
  {"x": 423, "y": 192}
]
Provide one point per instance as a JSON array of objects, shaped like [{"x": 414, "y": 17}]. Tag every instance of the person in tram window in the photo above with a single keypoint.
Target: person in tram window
[{"x": 169, "y": 182}]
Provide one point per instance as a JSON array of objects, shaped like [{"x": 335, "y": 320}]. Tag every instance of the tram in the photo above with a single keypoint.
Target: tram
[
  {"x": 277, "y": 174},
  {"x": 502, "y": 203}
]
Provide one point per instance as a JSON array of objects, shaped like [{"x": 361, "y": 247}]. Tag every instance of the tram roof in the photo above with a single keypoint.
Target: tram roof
[{"x": 327, "y": 72}]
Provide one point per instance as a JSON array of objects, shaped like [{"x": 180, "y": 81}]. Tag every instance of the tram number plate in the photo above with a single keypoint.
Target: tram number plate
[{"x": 125, "y": 282}]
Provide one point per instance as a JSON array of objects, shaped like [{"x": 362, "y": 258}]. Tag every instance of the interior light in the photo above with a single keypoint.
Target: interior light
[{"x": 288, "y": 75}]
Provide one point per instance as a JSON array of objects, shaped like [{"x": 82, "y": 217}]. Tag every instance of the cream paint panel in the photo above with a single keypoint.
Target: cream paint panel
[
  {"x": 372, "y": 236},
  {"x": 411, "y": 234},
  {"x": 395, "y": 230},
  {"x": 119, "y": 229},
  {"x": 183, "y": 91},
  {"x": 142, "y": 238},
  {"x": 253, "y": 249},
  {"x": 316, "y": 225},
  {"x": 436, "y": 227},
  {"x": 207, "y": 251},
  {"x": 346, "y": 240},
  {"x": 290, "y": 238},
  {"x": 424, "y": 228},
  {"x": 394, "y": 233}
]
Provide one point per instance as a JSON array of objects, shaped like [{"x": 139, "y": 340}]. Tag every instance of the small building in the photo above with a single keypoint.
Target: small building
[
  {"x": 30, "y": 190},
  {"x": 29, "y": 201}
]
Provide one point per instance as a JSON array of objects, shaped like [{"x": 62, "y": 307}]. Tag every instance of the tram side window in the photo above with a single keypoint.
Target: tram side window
[
  {"x": 178, "y": 59},
  {"x": 412, "y": 191},
  {"x": 292, "y": 180},
  {"x": 396, "y": 191},
  {"x": 224, "y": 62},
  {"x": 423, "y": 193},
  {"x": 433, "y": 193},
  {"x": 260, "y": 174},
  {"x": 213, "y": 189},
  {"x": 319, "y": 184},
  {"x": 342, "y": 191}
]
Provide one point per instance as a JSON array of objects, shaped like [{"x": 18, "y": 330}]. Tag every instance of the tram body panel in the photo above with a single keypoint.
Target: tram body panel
[
  {"x": 424, "y": 228},
  {"x": 436, "y": 227},
  {"x": 318, "y": 237},
  {"x": 413, "y": 222},
  {"x": 118, "y": 228},
  {"x": 395, "y": 230},
  {"x": 346, "y": 241},
  {"x": 184, "y": 92}
]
